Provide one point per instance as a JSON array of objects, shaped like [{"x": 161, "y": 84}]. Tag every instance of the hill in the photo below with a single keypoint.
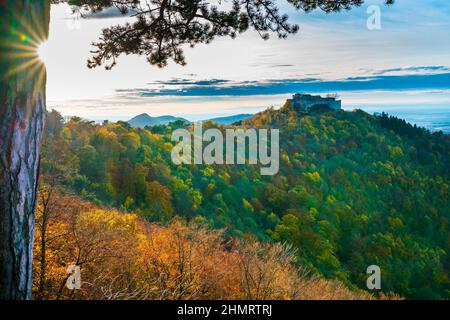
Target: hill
[
  {"x": 231, "y": 119},
  {"x": 123, "y": 256},
  {"x": 144, "y": 119},
  {"x": 353, "y": 190}
]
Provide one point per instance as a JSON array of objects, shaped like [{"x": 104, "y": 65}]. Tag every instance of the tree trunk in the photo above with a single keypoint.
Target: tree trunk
[
  {"x": 46, "y": 198},
  {"x": 23, "y": 25}
]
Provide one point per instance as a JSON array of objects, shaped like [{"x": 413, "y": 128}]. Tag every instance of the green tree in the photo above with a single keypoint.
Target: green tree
[{"x": 160, "y": 32}]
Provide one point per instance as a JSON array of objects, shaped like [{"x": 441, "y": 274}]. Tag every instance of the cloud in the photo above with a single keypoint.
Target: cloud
[
  {"x": 415, "y": 69},
  {"x": 282, "y": 65},
  {"x": 106, "y": 13},
  {"x": 190, "y": 82},
  {"x": 218, "y": 87}
]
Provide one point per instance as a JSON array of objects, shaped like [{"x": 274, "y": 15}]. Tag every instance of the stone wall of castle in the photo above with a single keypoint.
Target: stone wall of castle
[{"x": 306, "y": 101}]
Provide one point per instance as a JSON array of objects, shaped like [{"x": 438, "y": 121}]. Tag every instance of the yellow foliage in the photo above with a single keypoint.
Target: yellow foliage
[
  {"x": 313, "y": 176},
  {"x": 124, "y": 257}
]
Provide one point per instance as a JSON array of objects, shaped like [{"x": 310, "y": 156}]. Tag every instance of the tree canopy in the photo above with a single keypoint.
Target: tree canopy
[{"x": 353, "y": 190}]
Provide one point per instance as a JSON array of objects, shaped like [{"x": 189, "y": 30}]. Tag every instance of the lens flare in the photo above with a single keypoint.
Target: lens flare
[
  {"x": 24, "y": 38},
  {"x": 25, "y": 49}
]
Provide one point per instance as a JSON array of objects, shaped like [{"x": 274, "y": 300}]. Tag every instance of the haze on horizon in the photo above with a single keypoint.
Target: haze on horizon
[{"x": 404, "y": 66}]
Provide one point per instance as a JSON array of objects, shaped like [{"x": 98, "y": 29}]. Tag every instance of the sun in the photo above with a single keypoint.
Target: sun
[
  {"x": 26, "y": 49},
  {"x": 43, "y": 52}
]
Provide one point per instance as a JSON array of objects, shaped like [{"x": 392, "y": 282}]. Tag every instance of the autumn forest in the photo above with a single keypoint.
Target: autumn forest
[
  {"x": 353, "y": 202},
  {"x": 353, "y": 190}
]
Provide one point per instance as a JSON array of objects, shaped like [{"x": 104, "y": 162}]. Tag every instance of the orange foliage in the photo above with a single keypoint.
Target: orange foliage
[{"x": 124, "y": 257}]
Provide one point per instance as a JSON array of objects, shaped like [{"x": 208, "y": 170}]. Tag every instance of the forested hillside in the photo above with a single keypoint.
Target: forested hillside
[
  {"x": 122, "y": 256},
  {"x": 353, "y": 190}
]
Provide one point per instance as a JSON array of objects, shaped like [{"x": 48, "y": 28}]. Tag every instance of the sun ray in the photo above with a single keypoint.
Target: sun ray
[
  {"x": 18, "y": 46},
  {"x": 29, "y": 31},
  {"x": 42, "y": 35},
  {"x": 34, "y": 68},
  {"x": 25, "y": 54},
  {"x": 40, "y": 78},
  {"x": 22, "y": 66},
  {"x": 25, "y": 41}
]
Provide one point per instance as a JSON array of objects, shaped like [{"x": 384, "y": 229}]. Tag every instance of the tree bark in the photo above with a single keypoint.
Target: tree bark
[
  {"x": 46, "y": 198},
  {"x": 23, "y": 25}
]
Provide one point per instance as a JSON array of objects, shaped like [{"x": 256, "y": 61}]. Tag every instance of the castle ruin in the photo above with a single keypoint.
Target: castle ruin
[{"x": 307, "y": 101}]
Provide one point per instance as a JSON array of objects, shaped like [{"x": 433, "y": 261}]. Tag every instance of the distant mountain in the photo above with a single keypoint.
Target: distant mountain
[
  {"x": 231, "y": 119},
  {"x": 144, "y": 119}
]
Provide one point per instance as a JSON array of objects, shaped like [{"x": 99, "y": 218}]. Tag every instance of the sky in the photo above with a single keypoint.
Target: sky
[{"x": 403, "y": 67}]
